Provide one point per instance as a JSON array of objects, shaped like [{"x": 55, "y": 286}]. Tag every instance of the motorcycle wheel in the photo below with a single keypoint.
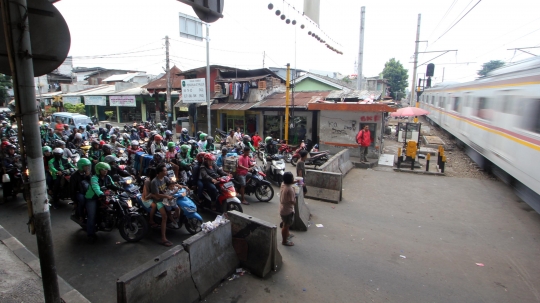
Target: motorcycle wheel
[
  {"x": 232, "y": 206},
  {"x": 264, "y": 193},
  {"x": 260, "y": 155},
  {"x": 133, "y": 228},
  {"x": 193, "y": 225},
  {"x": 294, "y": 161},
  {"x": 287, "y": 157}
]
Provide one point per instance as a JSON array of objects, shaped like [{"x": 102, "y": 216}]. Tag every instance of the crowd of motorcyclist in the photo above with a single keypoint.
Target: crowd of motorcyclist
[{"x": 88, "y": 161}]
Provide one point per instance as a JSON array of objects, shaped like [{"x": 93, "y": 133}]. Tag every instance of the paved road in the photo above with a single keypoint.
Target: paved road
[{"x": 443, "y": 226}]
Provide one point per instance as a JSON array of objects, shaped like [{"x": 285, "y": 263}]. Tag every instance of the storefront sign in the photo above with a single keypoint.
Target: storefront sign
[
  {"x": 122, "y": 101},
  {"x": 370, "y": 118},
  {"x": 71, "y": 100},
  {"x": 194, "y": 90},
  {"x": 95, "y": 100}
]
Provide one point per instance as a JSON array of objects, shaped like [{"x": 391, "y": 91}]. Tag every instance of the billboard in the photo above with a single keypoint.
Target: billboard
[{"x": 194, "y": 90}]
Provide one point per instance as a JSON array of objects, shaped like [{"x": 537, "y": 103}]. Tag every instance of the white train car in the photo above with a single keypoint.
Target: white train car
[{"x": 498, "y": 119}]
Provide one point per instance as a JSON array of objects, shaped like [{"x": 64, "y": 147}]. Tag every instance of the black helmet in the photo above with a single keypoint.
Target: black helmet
[
  {"x": 108, "y": 125},
  {"x": 94, "y": 142},
  {"x": 107, "y": 148}
]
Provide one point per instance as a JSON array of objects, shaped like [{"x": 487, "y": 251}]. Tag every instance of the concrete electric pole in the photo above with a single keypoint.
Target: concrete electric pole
[
  {"x": 359, "y": 78},
  {"x": 168, "y": 71},
  {"x": 413, "y": 88}
]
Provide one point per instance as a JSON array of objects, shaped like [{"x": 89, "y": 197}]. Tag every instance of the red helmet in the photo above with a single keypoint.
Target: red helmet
[
  {"x": 141, "y": 127},
  {"x": 210, "y": 156},
  {"x": 158, "y": 137},
  {"x": 200, "y": 157},
  {"x": 101, "y": 143}
]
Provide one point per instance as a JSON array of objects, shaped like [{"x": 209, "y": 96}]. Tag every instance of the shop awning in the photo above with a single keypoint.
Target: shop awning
[{"x": 233, "y": 106}]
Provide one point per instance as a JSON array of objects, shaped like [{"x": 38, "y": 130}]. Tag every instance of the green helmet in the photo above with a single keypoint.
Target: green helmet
[
  {"x": 203, "y": 135},
  {"x": 46, "y": 149},
  {"x": 82, "y": 163},
  {"x": 101, "y": 166},
  {"x": 267, "y": 139},
  {"x": 184, "y": 148},
  {"x": 158, "y": 125},
  {"x": 170, "y": 144}
]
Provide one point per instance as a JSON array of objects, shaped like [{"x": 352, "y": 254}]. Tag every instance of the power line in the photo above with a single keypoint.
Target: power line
[
  {"x": 117, "y": 54},
  {"x": 458, "y": 21},
  {"x": 445, "y": 14},
  {"x": 508, "y": 43},
  {"x": 223, "y": 50}
]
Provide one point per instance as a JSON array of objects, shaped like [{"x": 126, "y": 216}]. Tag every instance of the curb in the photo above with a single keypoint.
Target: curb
[
  {"x": 419, "y": 172},
  {"x": 67, "y": 292}
]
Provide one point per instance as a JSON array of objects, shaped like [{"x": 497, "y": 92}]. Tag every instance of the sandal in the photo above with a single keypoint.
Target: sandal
[
  {"x": 166, "y": 243},
  {"x": 245, "y": 202},
  {"x": 154, "y": 225},
  {"x": 288, "y": 243},
  {"x": 290, "y": 236}
]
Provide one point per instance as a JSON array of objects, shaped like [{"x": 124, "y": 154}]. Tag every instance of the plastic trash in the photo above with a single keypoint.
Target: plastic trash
[
  {"x": 319, "y": 225},
  {"x": 402, "y": 257},
  {"x": 480, "y": 264},
  {"x": 210, "y": 226}
]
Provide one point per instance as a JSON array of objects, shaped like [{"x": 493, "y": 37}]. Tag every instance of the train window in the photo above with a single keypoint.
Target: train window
[
  {"x": 432, "y": 100},
  {"x": 443, "y": 102},
  {"x": 456, "y": 104},
  {"x": 531, "y": 115},
  {"x": 483, "y": 110},
  {"x": 509, "y": 105}
]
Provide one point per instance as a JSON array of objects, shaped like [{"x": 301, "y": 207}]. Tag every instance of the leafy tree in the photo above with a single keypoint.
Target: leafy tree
[
  {"x": 396, "y": 76},
  {"x": 5, "y": 84},
  {"x": 489, "y": 66},
  {"x": 77, "y": 109}
]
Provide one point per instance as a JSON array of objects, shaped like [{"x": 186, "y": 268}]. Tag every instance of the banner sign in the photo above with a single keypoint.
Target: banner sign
[
  {"x": 71, "y": 100},
  {"x": 95, "y": 100},
  {"x": 122, "y": 101},
  {"x": 194, "y": 90}
]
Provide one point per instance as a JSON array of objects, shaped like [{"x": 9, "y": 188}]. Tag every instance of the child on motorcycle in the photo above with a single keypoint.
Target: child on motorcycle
[{"x": 170, "y": 204}]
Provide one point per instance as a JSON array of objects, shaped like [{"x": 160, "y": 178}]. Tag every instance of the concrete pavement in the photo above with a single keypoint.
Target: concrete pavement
[{"x": 404, "y": 238}]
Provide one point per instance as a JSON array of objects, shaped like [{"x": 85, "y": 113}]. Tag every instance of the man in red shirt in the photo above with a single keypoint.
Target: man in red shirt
[
  {"x": 244, "y": 164},
  {"x": 363, "y": 138},
  {"x": 256, "y": 139}
]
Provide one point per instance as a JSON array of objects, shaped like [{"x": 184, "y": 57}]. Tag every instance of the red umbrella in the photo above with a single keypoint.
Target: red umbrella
[{"x": 409, "y": 112}]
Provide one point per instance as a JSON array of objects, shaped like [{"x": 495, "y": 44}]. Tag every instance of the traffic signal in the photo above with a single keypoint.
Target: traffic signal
[{"x": 430, "y": 70}]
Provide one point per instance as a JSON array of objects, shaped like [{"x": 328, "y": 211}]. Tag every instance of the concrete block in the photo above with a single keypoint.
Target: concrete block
[
  {"x": 432, "y": 141},
  {"x": 212, "y": 257},
  {"x": 255, "y": 243},
  {"x": 167, "y": 278},
  {"x": 4, "y": 234},
  {"x": 74, "y": 297},
  {"x": 13, "y": 244},
  {"x": 323, "y": 185},
  {"x": 345, "y": 164},
  {"x": 25, "y": 255},
  {"x": 301, "y": 213}
]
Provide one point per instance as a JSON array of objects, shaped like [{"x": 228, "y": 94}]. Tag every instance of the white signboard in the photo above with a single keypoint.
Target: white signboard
[
  {"x": 71, "y": 100},
  {"x": 95, "y": 100},
  {"x": 122, "y": 101},
  {"x": 194, "y": 90}
]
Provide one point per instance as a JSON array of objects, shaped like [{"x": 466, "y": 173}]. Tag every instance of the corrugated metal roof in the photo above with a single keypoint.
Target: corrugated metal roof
[
  {"x": 354, "y": 94},
  {"x": 242, "y": 79},
  {"x": 301, "y": 99},
  {"x": 161, "y": 83},
  {"x": 122, "y": 77},
  {"x": 233, "y": 106}
]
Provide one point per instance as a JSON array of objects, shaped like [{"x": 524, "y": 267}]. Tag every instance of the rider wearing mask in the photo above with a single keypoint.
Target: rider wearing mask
[
  {"x": 94, "y": 153},
  {"x": 66, "y": 132},
  {"x": 209, "y": 175},
  {"x": 56, "y": 165},
  {"x": 107, "y": 151},
  {"x": 184, "y": 137},
  {"x": 183, "y": 158},
  {"x": 78, "y": 187},
  {"x": 132, "y": 150},
  {"x": 202, "y": 142},
  {"x": 157, "y": 144},
  {"x": 67, "y": 152}
]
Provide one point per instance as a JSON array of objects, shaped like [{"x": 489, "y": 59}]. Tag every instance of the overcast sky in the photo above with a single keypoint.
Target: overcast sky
[{"x": 137, "y": 27}]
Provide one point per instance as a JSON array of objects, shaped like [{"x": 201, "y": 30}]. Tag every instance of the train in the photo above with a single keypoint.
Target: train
[{"x": 497, "y": 119}]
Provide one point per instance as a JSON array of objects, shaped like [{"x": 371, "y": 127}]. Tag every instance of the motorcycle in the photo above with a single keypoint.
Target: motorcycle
[
  {"x": 275, "y": 168},
  {"x": 256, "y": 184},
  {"x": 122, "y": 155},
  {"x": 15, "y": 183},
  {"x": 118, "y": 211},
  {"x": 188, "y": 210},
  {"x": 315, "y": 158},
  {"x": 286, "y": 151},
  {"x": 65, "y": 193},
  {"x": 226, "y": 199}
]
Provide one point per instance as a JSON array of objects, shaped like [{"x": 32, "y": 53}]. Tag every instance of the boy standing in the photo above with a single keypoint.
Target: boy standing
[{"x": 287, "y": 199}]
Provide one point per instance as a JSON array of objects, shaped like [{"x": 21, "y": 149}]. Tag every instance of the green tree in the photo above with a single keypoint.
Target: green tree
[
  {"x": 396, "y": 76},
  {"x": 489, "y": 66},
  {"x": 5, "y": 84},
  {"x": 77, "y": 109}
]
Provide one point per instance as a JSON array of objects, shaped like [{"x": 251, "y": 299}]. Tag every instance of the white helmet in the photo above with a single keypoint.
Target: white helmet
[
  {"x": 58, "y": 150},
  {"x": 135, "y": 142}
]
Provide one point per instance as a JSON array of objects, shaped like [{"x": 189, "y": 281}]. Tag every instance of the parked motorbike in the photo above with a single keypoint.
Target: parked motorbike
[
  {"x": 315, "y": 158},
  {"x": 286, "y": 151},
  {"x": 118, "y": 211},
  {"x": 275, "y": 168},
  {"x": 256, "y": 184},
  {"x": 188, "y": 210},
  {"x": 226, "y": 199}
]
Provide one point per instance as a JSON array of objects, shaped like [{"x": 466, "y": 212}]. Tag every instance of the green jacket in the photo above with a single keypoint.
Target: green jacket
[
  {"x": 94, "y": 154},
  {"x": 187, "y": 160},
  {"x": 102, "y": 158},
  {"x": 55, "y": 166},
  {"x": 96, "y": 183}
]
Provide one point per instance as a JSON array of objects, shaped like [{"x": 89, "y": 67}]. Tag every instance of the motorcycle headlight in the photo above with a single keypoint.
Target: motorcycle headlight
[
  {"x": 129, "y": 203},
  {"x": 128, "y": 181},
  {"x": 173, "y": 179}
]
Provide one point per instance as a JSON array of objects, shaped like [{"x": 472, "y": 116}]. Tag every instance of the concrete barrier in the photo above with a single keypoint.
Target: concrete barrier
[
  {"x": 301, "y": 213},
  {"x": 324, "y": 185},
  {"x": 167, "y": 278},
  {"x": 212, "y": 257},
  {"x": 338, "y": 163},
  {"x": 255, "y": 243}
]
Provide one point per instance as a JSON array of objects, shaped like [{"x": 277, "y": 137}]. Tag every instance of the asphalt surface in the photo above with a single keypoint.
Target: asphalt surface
[{"x": 442, "y": 226}]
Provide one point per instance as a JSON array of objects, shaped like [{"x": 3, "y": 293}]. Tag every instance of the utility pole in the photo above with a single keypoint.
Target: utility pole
[
  {"x": 413, "y": 89},
  {"x": 287, "y": 89},
  {"x": 264, "y": 55},
  {"x": 168, "y": 71},
  {"x": 19, "y": 51},
  {"x": 359, "y": 78},
  {"x": 442, "y": 75},
  {"x": 208, "y": 110}
]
